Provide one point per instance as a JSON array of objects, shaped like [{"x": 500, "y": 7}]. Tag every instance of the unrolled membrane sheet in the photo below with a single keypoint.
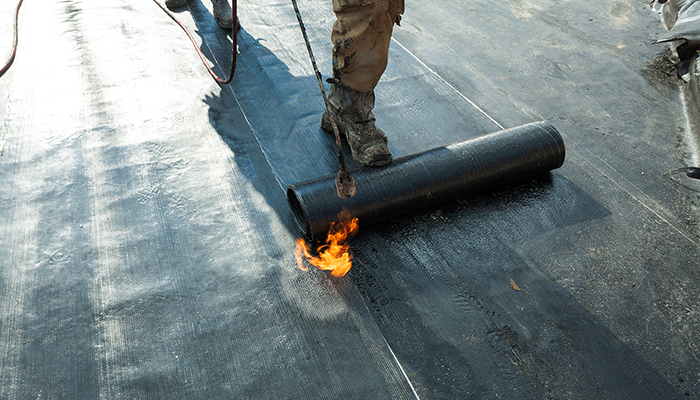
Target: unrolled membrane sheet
[{"x": 147, "y": 245}]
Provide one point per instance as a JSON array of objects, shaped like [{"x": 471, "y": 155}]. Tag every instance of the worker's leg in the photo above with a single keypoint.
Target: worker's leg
[
  {"x": 222, "y": 13},
  {"x": 175, "y": 3},
  {"x": 361, "y": 37}
]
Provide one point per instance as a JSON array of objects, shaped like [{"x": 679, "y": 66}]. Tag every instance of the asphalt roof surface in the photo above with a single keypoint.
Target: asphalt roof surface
[{"x": 147, "y": 248}]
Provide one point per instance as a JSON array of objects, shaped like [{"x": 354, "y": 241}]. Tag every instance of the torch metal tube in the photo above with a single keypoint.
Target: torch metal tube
[{"x": 425, "y": 179}]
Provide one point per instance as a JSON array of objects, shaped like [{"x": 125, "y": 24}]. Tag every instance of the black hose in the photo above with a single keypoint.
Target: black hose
[
  {"x": 345, "y": 183},
  {"x": 426, "y": 179}
]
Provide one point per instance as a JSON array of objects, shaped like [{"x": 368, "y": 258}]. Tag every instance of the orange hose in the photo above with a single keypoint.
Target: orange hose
[
  {"x": 201, "y": 56},
  {"x": 13, "y": 52}
]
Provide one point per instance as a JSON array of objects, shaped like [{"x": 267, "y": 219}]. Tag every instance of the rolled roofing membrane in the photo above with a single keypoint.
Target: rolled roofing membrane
[{"x": 428, "y": 178}]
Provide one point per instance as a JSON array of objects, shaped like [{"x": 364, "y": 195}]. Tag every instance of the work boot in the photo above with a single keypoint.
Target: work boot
[
  {"x": 222, "y": 13},
  {"x": 175, "y": 3},
  {"x": 353, "y": 111}
]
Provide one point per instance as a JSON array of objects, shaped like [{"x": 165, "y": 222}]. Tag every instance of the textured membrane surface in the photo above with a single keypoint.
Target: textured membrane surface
[{"x": 146, "y": 244}]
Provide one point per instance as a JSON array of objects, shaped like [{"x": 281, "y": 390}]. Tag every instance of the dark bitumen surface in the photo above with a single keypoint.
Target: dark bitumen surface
[{"x": 146, "y": 244}]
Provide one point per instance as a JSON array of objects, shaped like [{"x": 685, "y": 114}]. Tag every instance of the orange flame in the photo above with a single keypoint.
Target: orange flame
[{"x": 335, "y": 255}]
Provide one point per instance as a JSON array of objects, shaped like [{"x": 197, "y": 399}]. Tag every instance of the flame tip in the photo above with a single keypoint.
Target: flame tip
[{"x": 335, "y": 254}]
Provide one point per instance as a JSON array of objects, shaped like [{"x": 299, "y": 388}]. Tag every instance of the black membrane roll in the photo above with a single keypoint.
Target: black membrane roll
[{"x": 425, "y": 179}]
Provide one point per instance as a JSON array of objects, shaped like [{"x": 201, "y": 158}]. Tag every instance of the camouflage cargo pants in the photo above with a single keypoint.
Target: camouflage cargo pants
[{"x": 361, "y": 36}]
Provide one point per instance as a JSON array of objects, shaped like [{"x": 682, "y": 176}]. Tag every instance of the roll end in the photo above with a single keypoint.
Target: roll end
[{"x": 301, "y": 219}]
